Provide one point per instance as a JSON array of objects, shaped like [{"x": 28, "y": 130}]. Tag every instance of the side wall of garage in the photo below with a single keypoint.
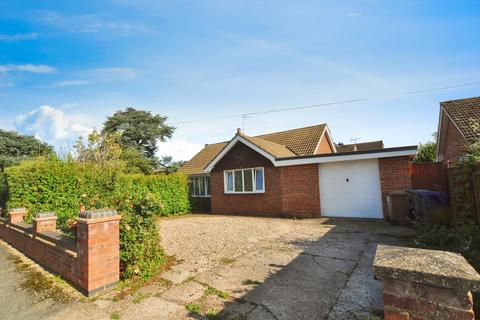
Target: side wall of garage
[
  {"x": 300, "y": 190},
  {"x": 394, "y": 175}
]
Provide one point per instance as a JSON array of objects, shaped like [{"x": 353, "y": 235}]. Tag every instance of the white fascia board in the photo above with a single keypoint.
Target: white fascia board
[
  {"x": 439, "y": 133},
  {"x": 230, "y": 145},
  {"x": 348, "y": 157}
]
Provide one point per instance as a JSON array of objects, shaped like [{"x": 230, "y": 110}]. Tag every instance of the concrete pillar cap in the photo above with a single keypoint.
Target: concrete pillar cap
[{"x": 98, "y": 214}]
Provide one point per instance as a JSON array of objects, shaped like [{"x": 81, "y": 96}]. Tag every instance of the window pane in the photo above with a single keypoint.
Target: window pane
[
  {"x": 207, "y": 184},
  {"x": 191, "y": 185},
  {"x": 229, "y": 181},
  {"x": 248, "y": 180},
  {"x": 238, "y": 181},
  {"x": 201, "y": 183},
  {"x": 259, "y": 179},
  {"x": 197, "y": 186}
]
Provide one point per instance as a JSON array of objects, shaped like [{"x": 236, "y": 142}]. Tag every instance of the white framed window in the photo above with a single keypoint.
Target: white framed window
[
  {"x": 200, "y": 186},
  {"x": 250, "y": 180}
]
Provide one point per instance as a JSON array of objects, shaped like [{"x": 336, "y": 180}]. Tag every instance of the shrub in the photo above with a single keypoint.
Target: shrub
[
  {"x": 461, "y": 236},
  {"x": 423, "y": 202},
  {"x": 63, "y": 186},
  {"x": 3, "y": 193}
]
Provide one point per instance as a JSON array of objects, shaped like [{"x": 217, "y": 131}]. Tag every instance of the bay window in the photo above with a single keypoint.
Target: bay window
[
  {"x": 249, "y": 180},
  {"x": 200, "y": 186}
]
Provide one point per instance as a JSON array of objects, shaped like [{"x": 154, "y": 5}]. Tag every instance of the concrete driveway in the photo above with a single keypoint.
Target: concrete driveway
[{"x": 276, "y": 268}]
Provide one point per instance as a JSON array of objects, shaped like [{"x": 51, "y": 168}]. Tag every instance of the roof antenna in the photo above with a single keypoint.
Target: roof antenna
[{"x": 354, "y": 140}]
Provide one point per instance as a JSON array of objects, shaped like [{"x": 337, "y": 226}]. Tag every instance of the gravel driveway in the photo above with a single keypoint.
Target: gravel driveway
[{"x": 277, "y": 268}]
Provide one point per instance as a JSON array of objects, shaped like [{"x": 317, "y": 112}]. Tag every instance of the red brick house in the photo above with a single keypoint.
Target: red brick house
[
  {"x": 299, "y": 173},
  {"x": 455, "y": 128}
]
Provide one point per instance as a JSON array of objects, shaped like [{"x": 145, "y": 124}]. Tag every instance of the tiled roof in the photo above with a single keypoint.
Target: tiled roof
[
  {"x": 290, "y": 143},
  {"x": 203, "y": 158},
  {"x": 463, "y": 112},
  {"x": 275, "y": 149},
  {"x": 302, "y": 141},
  {"x": 363, "y": 146}
]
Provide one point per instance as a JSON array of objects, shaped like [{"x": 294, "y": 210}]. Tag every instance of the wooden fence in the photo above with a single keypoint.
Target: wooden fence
[{"x": 429, "y": 176}]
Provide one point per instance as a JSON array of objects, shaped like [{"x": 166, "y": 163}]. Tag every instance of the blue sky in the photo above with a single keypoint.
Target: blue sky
[{"x": 66, "y": 65}]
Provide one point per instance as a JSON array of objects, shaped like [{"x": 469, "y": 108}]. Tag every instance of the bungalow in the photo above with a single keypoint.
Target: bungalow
[
  {"x": 456, "y": 127},
  {"x": 297, "y": 173}
]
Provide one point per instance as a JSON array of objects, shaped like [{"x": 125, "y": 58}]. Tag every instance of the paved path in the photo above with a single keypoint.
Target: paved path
[{"x": 17, "y": 303}]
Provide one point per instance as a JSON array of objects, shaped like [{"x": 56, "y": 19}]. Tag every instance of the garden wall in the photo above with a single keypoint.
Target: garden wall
[{"x": 90, "y": 262}]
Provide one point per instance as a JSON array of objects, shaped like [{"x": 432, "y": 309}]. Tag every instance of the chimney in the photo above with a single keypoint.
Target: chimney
[{"x": 239, "y": 131}]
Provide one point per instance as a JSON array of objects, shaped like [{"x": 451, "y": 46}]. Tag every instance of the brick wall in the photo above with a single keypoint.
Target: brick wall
[
  {"x": 201, "y": 204},
  {"x": 91, "y": 262},
  {"x": 289, "y": 191},
  {"x": 408, "y": 300},
  {"x": 453, "y": 144},
  {"x": 394, "y": 175},
  {"x": 425, "y": 284},
  {"x": 300, "y": 191}
]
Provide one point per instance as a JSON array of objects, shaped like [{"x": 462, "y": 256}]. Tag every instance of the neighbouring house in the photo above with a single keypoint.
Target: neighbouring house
[
  {"x": 455, "y": 127},
  {"x": 297, "y": 173}
]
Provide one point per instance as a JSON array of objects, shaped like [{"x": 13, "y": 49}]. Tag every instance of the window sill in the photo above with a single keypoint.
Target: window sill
[
  {"x": 247, "y": 192},
  {"x": 200, "y": 196}
]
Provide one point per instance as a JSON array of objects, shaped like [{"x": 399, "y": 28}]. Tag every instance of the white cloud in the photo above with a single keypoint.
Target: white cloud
[
  {"x": 33, "y": 68},
  {"x": 51, "y": 125},
  {"x": 69, "y": 83},
  {"x": 18, "y": 36},
  {"x": 178, "y": 149},
  {"x": 6, "y": 84},
  {"x": 91, "y": 23}
]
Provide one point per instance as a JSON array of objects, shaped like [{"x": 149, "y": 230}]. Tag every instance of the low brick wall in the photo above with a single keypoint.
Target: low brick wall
[
  {"x": 425, "y": 284},
  {"x": 91, "y": 262}
]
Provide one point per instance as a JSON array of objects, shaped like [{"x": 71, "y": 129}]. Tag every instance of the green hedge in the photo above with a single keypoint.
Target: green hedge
[{"x": 63, "y": 186}]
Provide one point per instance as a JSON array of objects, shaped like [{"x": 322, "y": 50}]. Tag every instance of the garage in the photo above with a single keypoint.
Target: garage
[{"x": 350, "y": 189}]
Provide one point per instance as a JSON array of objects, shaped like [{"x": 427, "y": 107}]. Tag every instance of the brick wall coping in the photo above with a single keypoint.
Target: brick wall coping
[
  {"x": 92, "y": 221},
  {"x": 97, "y": 214},
  {"x": 57, "y": 240},
  {"x": 431, "y": 267},
  {"x": 46, "y": 215}
]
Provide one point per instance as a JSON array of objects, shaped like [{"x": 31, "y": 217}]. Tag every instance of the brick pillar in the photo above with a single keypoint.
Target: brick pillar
[
  {"x": 45, "y": 221},
  {"x": 98, "y": 249},
  {"x": 16, "y": 215},
  {"x": 425, "y": 284}
]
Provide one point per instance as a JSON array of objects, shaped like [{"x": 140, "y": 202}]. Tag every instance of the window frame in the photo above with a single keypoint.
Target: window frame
[
  {"x": 254, "y": 181},
  {"x": 206, "y": 187}
]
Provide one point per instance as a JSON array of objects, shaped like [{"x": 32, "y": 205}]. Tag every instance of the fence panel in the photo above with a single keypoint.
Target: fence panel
[{"x": 429, "y": 176}]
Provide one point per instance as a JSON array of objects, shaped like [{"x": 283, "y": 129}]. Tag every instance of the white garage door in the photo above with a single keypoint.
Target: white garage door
[{"x": 350, "y": 189}]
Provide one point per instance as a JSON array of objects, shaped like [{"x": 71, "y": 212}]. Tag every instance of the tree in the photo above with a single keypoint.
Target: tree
[
  {"x": 139, "y": 129},
  {"x": 103, "y": 149},
  {"x": 15, "y": 147},
  {"x": 169, "y": 166},
  {"x": 427, "y": 152},
  {"x": 137, "y": 162},
  {"x": 99, "y": 148}
]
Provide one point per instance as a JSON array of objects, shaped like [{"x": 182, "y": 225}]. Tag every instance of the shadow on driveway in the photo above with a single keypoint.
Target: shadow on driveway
[{"x": 330, "y": 278}]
